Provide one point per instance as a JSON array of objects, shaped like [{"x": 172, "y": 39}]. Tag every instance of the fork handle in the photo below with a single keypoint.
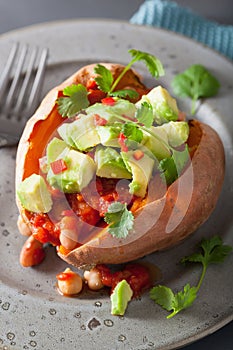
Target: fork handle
[{"x": 8, "y": 140}]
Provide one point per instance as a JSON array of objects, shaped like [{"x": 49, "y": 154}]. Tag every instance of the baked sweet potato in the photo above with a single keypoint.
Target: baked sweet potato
[{"x": 164, "y": 217}]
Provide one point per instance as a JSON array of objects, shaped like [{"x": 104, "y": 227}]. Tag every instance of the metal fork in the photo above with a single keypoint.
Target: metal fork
[{"x": 20, "y": 88}]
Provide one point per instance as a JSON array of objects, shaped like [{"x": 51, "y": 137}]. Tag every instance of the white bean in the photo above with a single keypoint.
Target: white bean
[
  {"x": 69, "y": 282},
  {"x": 93, "y": 279}
]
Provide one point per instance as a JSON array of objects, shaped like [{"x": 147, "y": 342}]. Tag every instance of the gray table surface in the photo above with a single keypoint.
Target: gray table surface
[{"x": 20, "y": 13}]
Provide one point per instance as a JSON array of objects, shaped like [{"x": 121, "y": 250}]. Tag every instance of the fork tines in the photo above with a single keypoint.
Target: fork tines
[{"x": 21, "y": 80}]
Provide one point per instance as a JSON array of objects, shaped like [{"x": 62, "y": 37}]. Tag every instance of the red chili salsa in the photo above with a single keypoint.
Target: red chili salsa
[
  {"x": 81, "y": 211},
  {"x": 137, "y": 275}
]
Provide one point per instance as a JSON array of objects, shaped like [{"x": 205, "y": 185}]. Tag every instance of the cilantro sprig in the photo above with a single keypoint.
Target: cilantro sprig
[
  {"x": 74, "y": 100},
  {"x": 211, "y": 251},
  {"x": 120, "y": 220},
  {"x": 171, "y": 167},
  {"x": 195, "y": 82},
  {"x": 107, "y": 84},
  {"x": 76, "y": 96}
]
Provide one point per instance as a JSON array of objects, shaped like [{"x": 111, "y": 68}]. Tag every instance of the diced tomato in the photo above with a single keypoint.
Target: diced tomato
[
  {"x": 122, "y": 141},
  {"x": 99, "y": 121},
  {"x": 91, "y": 85},
  {"x": 139, "y": 277},
  {"x": 95, "y": 96},
  {"x": 58, "y": 166},
  {"x": 44, "y": 230},
  {"x": 136, "y": 275},
  {"x": 105, "y": 201},
  {"x": 109, "y": 101},
  {"x": 138, "y": 154}
]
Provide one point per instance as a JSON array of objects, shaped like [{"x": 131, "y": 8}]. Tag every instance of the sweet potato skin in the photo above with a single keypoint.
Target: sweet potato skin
[
  {"x": 160, "y": 224},
  {"x": 185, "y": 206}
]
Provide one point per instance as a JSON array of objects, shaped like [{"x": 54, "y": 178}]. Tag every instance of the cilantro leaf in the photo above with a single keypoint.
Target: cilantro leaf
[
  {"x": 213, "y": 251},
  {"x": 172, "y": 167},
  {"x": 131, "y": 131},
  {"x": 74, "y": 100},
  {"x": 125, "y": 93},
  {"x": 144, "y": 114},
  {"x": 165, "y": 297},
  {"x": 105, "y": 78},
  {"x": 195, "y": 82},
  {"x": 153, "y": 64},
  {"x": 168, "y": 170},
  {"x": 120, "y": 220}
]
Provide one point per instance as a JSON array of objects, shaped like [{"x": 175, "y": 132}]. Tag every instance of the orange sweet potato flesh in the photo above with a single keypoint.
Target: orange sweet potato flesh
[{"x": 161, "y": 221}]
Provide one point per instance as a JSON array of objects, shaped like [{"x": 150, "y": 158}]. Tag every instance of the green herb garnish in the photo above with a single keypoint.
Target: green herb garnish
[
  {"x": 132, "y": 132},
  {"x": 74, "y": 100},
  {"x": 144, "y": 114},
  {"x": 195, "y": 82},
  {"x": 107, "y": 84},
  {"x": 104, "y": 79},
  {"x": 172, "y": 167},
  {"x": 120, "y": 220},
  {"x": 213, "y": 251}
]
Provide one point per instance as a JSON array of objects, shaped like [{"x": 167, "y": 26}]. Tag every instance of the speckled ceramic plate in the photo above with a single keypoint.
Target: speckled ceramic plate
[{"x": 32, "y": 313}]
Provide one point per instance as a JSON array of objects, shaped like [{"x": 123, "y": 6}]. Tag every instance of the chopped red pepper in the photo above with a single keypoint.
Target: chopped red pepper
[
  {"x": 138, "y": 154},
  {"x": 99, "y": 121},
  {"x": 109, "y": 101},
  {"x": 91, "y": 84},
  {"x": 44, "y": 230},
  {"x": 122, "y": 141},
  {"x": 64, "y": 276},
  {"x": 95, "y": 95},
  {"x": 136, "y": 275},
  {"x": 58, "y": 166}
]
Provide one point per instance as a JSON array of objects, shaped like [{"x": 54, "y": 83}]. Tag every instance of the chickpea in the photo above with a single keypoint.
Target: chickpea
[
  {"x": 23, "y": 227},
  {"x": 69, "y": 232},
  {"x": 93, "y": 279},
  {"x": 69, "y": 282},
  {"x": 66, "y": 239}
]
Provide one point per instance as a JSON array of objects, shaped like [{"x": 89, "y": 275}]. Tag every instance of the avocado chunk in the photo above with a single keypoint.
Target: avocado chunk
[
  {"x": 109, "y": 135},
  {"x": 120, "y": 107},
  {"x": 157, "y": 142},
  {"x": 80, "y": 169},
  {"x": 110, "y": 164},
  {"x": 34, "y": 194},
  {"x": 177, "y": 132},
  {"x": 164, "y": 105},
  {"x": 63, "y": 131},
  {"x": 120, "y": 298},
  {"x": 81, "y": 133},
  {"x": 141, "y": 168},
  {"x": 54, "y": 149}
]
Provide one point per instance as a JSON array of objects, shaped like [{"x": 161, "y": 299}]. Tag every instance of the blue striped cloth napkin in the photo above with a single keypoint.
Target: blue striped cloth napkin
[{"x": 171, "y": 16}]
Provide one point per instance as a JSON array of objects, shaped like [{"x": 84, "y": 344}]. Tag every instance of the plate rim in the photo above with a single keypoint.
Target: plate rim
[{"x": 11, "y": 33}]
